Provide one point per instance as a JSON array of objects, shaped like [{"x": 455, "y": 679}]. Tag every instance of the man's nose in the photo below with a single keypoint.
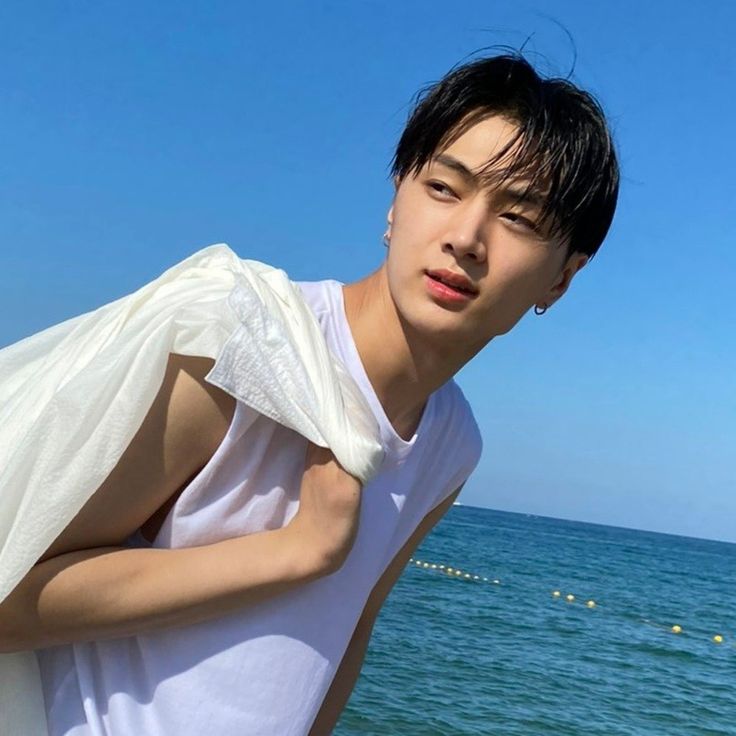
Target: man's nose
[{"x": 466, "y": 235}]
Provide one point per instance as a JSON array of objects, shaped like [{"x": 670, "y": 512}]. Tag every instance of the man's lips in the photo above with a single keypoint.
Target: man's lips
[{"x": 455, "y": 280}]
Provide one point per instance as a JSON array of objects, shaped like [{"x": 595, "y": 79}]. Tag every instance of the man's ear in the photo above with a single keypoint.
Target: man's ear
[{"x": 574, "y": 263}]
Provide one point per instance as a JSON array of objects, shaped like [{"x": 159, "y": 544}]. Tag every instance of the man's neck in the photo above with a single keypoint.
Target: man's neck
[{"x": 403, "y": 368}]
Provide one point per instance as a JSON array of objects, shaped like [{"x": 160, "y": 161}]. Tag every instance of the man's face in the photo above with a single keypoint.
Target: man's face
[{"x": 444, "y": 219}]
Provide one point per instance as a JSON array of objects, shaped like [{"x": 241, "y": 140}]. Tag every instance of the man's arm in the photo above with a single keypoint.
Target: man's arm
[
  {"x": 89, "y": 586},
  {"x": 352, "y": 661}
]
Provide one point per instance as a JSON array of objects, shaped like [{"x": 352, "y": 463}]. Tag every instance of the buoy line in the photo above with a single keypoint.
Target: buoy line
[
  {"x": 678, "y": 629},
  {"x": 452, "y": 571},
  {"x": 569, "y": 598},
  {"x": 672, "y": 628}
]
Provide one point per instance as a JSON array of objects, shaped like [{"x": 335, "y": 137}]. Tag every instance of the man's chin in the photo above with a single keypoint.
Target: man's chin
[{"x": 445, "y": 329}]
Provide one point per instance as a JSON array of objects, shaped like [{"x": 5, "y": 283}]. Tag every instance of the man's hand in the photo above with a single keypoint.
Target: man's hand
[{"x": 329, "y": 510}]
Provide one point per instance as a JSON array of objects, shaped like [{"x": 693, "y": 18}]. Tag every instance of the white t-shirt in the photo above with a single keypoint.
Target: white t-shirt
[{"x": 264, "y": 670}]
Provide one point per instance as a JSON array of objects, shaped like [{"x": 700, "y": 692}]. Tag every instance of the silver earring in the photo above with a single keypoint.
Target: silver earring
[
  {"x": 540, "y": 310},
  {"x": 386, "y": 239}
]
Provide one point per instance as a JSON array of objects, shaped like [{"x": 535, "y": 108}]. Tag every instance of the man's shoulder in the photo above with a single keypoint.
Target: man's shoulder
[
  {"x": 456, "y": 433},
  {"x": 458, "y": 410}
]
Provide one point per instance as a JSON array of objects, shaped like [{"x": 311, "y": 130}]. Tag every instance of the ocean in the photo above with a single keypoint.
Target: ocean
[{"x": 453, "y": 655}]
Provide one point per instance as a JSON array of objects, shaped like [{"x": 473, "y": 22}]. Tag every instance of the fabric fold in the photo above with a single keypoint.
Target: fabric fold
[{"x": 73, "y": 396}]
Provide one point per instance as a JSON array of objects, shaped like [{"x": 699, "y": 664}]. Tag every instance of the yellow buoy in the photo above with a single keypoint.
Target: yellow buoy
[
  {"x": 569, "y": 597},
  {"x": 458, "y": 572},
  {"x": 718, "y": 639},
  {"x": 468, "y": 575},
  {"x": 590, "y": 604},
  {"x": 677, "y": 629},
  {"x": 556, "y": 593},
  {"x": 449, "y": 570},
  {"x": 433, "y": 566}
]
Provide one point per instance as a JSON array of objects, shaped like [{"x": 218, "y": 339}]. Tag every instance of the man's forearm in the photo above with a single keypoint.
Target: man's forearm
[
  {"x": 108, "y": 592},
  {"x": 343, "y": 683}
]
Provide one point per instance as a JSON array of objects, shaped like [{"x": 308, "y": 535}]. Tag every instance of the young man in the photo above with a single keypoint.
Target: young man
[{"x": 227, "y": 576}]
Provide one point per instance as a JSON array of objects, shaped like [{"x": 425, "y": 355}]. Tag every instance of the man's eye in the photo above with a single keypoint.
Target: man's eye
[
  {"x": 441, "y": 188},
  {"x": 520, "y": 221}
]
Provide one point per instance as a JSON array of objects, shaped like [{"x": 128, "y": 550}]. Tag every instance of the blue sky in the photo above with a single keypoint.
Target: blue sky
[{"x": 136, "y": 133}]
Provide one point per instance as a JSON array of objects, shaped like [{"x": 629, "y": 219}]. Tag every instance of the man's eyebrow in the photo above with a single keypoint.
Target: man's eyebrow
[
  {"x": 524, "y": 195},
  {"x": 516, "y": 192},
  {"x": 458, "y": 167}
]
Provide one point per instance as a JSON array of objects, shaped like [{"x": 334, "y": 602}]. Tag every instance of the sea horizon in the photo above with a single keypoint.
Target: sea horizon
[{"x": 596, "y": 523}]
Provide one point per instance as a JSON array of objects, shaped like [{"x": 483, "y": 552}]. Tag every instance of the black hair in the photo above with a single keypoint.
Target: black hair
[{"x": 564, "y": 150}]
